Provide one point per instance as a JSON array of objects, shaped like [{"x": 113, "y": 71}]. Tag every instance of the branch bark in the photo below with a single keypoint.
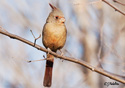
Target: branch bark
[
  {"x": 113, "y": 7},
  {"x": 80, "y": 62},
  {"x": 119, "y": 2}
]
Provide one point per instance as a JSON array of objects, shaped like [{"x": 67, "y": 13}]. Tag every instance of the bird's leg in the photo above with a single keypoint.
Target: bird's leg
[
  {"x": 48, "y": 56},
  {"x": 61, "y": 54},
  {"x": 48, "y": 50}
]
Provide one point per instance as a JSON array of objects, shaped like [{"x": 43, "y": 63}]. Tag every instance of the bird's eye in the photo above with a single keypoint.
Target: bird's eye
[{"x": 57, "y": 17}]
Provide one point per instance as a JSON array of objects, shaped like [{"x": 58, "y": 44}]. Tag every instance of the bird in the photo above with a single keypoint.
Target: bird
[{"x": 54, "y": 36}]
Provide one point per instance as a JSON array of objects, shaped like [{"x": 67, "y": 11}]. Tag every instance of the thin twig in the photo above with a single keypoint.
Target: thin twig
[
  {"x": 94, "y": 2},
  {"x": 35, "y": 37},
  {"x": 1, "y": 28},
  {"x": 111, "y": 49},
  {"x": 100, "y": 47},
  {"x": 119, "y": 2},
  {"x": 32, "y": 33},
  {"x": 80, "y": 62},
  {"x": 116, "y": 9},
  {"x": 36, "y": 60}
]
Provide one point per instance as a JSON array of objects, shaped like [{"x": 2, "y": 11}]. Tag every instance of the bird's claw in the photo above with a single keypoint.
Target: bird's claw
[
  {"x": 48, "y": 50},
  {"x": 61, "y": 54}
]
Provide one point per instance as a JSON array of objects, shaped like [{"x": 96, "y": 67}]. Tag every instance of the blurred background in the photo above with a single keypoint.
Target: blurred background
[{"x": 96, "y": 34}]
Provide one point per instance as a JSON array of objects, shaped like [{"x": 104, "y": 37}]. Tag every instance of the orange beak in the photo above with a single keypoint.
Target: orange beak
[{"x": 62, "y": 19}]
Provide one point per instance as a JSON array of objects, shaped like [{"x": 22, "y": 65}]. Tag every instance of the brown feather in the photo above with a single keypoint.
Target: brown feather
[
  {"x": 48, "y": 73},
  {"x": 53, "y": 7}
]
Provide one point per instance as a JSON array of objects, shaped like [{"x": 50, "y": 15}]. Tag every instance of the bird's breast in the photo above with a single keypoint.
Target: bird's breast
[{"x": 54, "y": 35}]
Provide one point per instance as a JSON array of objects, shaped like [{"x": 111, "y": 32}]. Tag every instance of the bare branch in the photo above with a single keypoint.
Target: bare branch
[
  {"x": 119, "y": 2},
  {"x": 36, "y": 60},
  {"x": 35, "y": 37},
  {"x": 100, "y": 47},
  {"x": 80, "y": 62},
  {"x": 116, "y": 9}
]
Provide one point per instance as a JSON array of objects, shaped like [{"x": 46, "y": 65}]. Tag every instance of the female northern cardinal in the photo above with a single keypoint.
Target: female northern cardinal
[{"x": 54, "y": 37}]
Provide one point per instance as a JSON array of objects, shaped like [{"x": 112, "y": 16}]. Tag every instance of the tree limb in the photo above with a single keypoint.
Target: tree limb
[
  {"x": 80, "y": 62},
  {"x": 119, "y": 2},
  {"x": 113, "y": 7}
]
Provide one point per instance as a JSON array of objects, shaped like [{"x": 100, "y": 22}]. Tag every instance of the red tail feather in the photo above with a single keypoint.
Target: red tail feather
[{"x": 48, "y": 72}]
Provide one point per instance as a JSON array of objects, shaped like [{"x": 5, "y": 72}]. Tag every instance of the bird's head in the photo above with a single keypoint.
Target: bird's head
[{"x": 56, "y": 16}]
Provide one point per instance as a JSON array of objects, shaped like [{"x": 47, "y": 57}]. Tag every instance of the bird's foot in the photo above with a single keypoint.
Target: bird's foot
[
  {"x": 61, "y": 54},
  {"x": 48, "y": 50}
]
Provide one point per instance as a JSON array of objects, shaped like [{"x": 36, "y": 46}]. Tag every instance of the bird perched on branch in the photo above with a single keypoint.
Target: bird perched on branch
[{"x": 54, "y": 37}]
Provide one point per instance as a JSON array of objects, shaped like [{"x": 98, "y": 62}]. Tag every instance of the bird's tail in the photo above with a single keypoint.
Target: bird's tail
[{"x": 48, "y": 72}]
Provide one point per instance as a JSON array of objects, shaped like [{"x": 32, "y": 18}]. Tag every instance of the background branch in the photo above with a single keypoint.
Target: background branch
[
  {"x": 113, "y": 7},
  {"x": 80, "y": 62},
  {"x": 119, "y": 2}
]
